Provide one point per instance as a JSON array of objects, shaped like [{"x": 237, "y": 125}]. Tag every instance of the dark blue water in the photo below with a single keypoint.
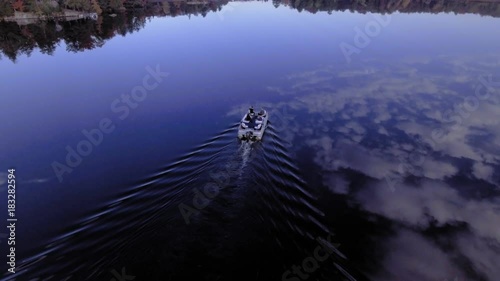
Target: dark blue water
[{"x": 383, "y": 148}]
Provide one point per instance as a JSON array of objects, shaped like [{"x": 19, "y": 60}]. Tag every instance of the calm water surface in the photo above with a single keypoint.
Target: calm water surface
[{"x": 383, "y": 150}]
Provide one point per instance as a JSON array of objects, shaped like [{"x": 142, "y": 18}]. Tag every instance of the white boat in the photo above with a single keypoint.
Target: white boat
[{"x": 253, "y": 125}]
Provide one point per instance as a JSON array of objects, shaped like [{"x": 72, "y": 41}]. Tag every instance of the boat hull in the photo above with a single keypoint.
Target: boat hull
[{"x": 253, "y": 128}]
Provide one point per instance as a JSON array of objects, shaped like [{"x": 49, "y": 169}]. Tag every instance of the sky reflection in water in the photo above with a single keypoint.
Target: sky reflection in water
[{"x": 406, "y": 130}]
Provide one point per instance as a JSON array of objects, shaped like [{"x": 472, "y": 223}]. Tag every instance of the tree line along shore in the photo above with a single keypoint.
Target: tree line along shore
[
  {"x": 67, "y": 8},
  {"x": 60, "y": 8}
]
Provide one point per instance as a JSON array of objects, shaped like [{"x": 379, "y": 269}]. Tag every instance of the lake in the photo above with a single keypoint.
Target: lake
[{"x": 381, "y": 160}]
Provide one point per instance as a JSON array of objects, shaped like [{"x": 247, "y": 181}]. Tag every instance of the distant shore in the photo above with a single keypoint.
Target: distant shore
[{"x": 28, "y": 18}]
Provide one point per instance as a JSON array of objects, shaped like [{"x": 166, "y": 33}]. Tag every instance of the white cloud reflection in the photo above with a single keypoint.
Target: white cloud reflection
[
  {"x": 381, "y": 120},
  {"x": 413, "y": 257}
]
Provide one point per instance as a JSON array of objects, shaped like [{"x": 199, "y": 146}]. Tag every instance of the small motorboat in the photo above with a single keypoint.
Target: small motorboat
[{"x": 253, "y": 125}]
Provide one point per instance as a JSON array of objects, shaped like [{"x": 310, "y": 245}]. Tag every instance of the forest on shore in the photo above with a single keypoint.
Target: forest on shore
[
  {"x": 53, "y": 7},
  {"x": 86, "y": 34}
]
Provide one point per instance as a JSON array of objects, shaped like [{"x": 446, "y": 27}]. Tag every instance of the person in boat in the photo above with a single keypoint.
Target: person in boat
[{"x": 250, "y": 114}]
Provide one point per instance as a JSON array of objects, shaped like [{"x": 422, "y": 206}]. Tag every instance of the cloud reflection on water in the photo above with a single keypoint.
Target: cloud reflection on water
[{"x": 381, "y": 120}]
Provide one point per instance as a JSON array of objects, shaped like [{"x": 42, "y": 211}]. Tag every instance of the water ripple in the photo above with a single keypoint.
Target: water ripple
[{"x": 262, "y": 220}]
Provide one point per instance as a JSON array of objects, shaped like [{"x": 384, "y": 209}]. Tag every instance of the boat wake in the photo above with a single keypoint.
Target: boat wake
[
  {"x": 245, "y": 149},
  {"x": 226, "y": 210}
]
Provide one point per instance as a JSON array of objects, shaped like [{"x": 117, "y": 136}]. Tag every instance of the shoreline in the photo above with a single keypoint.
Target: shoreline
[{"x": 66, "y": 15}]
